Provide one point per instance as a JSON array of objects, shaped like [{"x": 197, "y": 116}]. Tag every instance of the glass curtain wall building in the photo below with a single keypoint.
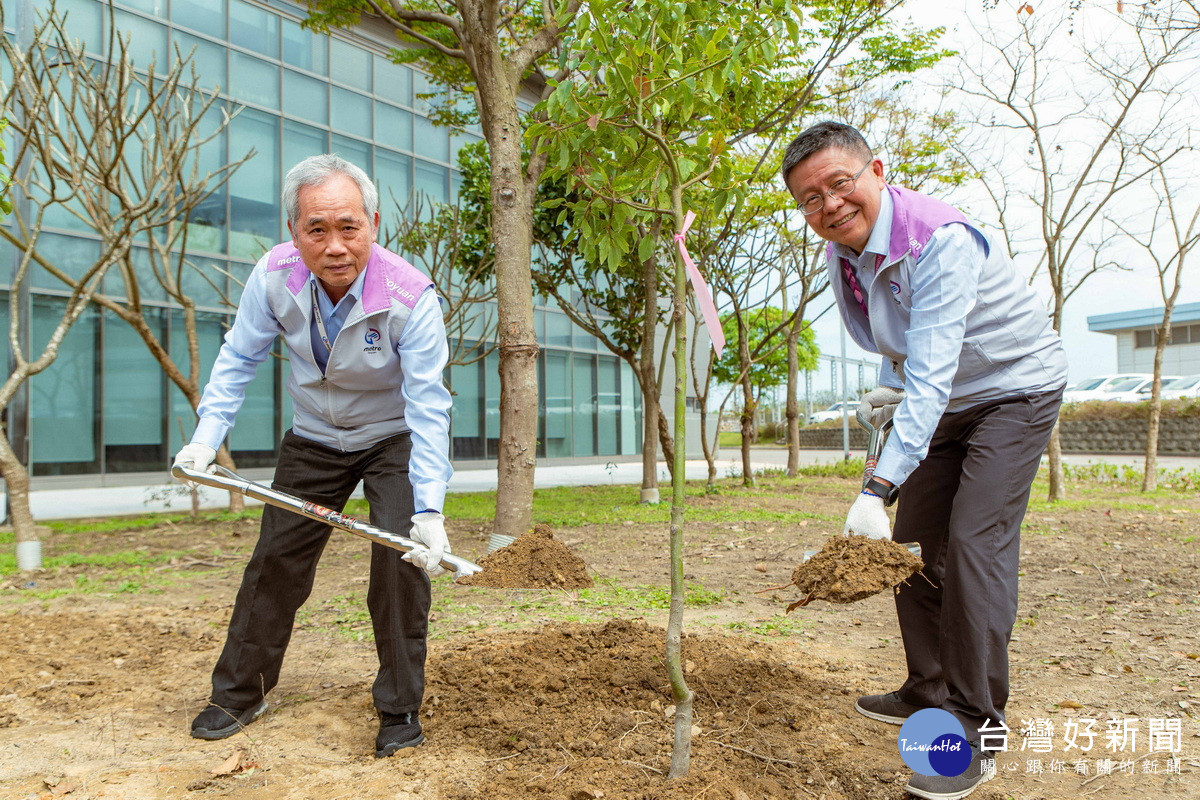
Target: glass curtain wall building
[{"x": 105, "y": 406}]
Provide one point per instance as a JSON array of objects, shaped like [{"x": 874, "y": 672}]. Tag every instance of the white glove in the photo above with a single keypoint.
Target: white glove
[
  {"x": 879, "y": 405},
  {"x": 428, "y": 529},
  {"x": 868, "y": 517},
  {"x": 196, "y": 456}
]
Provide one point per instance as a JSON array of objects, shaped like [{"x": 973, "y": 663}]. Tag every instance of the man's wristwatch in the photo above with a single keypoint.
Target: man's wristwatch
[{"x": 889, "y": 493}]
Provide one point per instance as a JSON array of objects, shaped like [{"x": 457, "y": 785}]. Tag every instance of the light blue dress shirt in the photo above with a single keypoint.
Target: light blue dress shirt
[
  {"x": 425, "y": 412},
  {"x": 943, "y": 282}
]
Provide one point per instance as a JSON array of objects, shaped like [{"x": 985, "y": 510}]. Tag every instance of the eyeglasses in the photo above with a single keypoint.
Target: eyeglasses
[{"x": 814, "y": 203}]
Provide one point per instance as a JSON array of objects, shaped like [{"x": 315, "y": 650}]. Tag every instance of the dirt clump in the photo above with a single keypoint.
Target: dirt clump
[
  {"x": 535, "y": 560},
  {"x": 851, "y": 568}
]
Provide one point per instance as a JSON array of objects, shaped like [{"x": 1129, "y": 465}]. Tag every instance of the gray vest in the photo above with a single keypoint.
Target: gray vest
[
  {"x": 357, "y": 402},
  {"x": 1009, "y": 345}
]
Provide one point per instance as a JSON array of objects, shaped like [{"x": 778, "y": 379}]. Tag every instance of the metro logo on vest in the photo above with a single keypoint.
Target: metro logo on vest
[{"x": 372, "y": 338}]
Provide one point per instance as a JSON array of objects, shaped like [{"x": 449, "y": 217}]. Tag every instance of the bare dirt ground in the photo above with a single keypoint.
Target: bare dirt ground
[{"x": 562, "y": 694}]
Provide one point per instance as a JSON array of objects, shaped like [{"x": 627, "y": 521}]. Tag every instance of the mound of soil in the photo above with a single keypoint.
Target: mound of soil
[
  {"x": 850, "y": 568},
  {"x": 576, "y": 712},
  {"x": 534, "y": 561}
]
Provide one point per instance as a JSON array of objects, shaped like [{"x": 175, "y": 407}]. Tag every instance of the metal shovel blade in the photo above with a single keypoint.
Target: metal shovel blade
[{"x": 232, "y": 482}]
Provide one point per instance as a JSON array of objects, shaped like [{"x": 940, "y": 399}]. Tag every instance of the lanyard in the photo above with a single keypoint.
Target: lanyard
[{"x": 320, "y": 322}]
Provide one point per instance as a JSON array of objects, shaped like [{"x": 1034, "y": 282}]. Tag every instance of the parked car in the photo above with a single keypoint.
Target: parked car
[
  {"x": 1135, "y": 390},
  {"x": 834, "y": 412},
  {"x": 1098, "y": 388},
  {"x": 1181, "y": 387}
]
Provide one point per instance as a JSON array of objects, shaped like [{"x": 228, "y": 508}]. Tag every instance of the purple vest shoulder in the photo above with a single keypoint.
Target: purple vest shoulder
[
  {"x": 388, "y": 276},
  {"x": 915, "y": 217}
]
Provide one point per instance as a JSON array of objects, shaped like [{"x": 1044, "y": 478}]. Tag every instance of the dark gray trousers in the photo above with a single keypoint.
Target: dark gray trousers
[
  {"x": 964, "y": 504},
  {"x": 279, "y": 577}
]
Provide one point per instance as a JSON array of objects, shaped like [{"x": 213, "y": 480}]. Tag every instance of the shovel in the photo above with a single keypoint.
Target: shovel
[
  {"x": 877, "y": 437},
  {"x": 231, "y": 481}
]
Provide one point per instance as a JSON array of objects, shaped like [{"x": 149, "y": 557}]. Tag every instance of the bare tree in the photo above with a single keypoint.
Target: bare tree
[
  {"x": 1086, "y": 141},
  {"x": 116, "y": 150},
  {"x": 436, "y": 237},
  {"x": 1182, "y": 232}
]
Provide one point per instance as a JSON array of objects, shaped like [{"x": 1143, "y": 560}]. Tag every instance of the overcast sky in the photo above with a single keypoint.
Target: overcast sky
[{"x": 1088, "y": 353}]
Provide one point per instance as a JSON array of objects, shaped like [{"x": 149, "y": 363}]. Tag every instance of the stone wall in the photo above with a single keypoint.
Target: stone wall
[{"x": 1176, "y": 437}]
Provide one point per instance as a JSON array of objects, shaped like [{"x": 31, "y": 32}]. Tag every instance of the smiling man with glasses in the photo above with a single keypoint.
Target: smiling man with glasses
[{"x": 972, "y": 376}]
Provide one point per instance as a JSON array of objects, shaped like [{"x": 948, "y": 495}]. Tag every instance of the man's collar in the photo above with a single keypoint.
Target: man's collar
[
  {"x": 881, "y": 234},
  {"x": 352, "y": 295}
]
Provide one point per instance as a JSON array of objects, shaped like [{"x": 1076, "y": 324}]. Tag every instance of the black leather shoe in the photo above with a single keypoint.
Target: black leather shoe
[
  {"x": 397, "y": 731},
  {"x": 982, "y": 768},
  {"x": 887, "y": 708},
  {"x": 219, "y": 722}
]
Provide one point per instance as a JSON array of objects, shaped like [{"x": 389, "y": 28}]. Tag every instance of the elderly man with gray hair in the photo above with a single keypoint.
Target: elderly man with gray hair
[{"x": 367, "y": 346}]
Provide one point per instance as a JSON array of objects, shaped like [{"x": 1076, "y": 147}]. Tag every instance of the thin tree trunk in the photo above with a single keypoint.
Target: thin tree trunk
[
  {"x": 16, "y": 479},
  {"x": 1058, "y": 488},
  {"x": 793, "y": 404},
  {"x": 681, "y": 753},
  {"x": 649, "y": 381},
  {"x": 1150, "y": 469}
]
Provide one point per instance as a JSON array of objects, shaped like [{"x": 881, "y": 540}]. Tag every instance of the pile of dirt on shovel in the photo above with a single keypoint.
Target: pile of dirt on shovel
[
  {"x": 535, "y": 560},
  {"x": 850, "y": 568}
]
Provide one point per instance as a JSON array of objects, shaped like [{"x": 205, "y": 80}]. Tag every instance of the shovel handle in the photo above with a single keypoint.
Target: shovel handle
[
  {"x": 877, "y": 437},
  {"x": 232, "y": 482}
]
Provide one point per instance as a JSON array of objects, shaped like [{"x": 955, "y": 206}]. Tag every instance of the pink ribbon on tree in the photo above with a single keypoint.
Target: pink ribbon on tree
[{"x": 708, "y": 308}]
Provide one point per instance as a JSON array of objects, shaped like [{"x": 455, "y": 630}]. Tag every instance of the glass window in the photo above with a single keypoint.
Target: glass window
[
  {"x": 558, "y": 330},
  {"x": 466, "y": 419},
  {"x": 430, "y": 180},
  {"x": 147, "y": 39},
  {"x": 156, "y": 7},
  {"x": 73, "y": 255},
  {"x": 301, "y": 141},
  {"x": 393, "y": 81},
  {"x": 351, "y": 112},
  {"x": 431, "y": 141},
  {"x": 206, "y": 226},
  {"x": 557, "y": 398},
  {"x": 253, "y": 80},
  {"x": 82, "y": 21},
  {"x": 305, "y": 97},
  {"x": 209, "y": 330},
  {"x": 491, "y": 403},
  {"x": 252, "y": 439},
  {"x": 148, "y": 284},
  {"x": 302, "y": 48},
  {"x": 208, "y": 59},
  {"x": 133, "y": 398},
  {"x": 422, "y": 87},
  {"x": 354, "y": 151},
  {"x": 254, "y": 28},
  {"x": 583, "y": 421},
  {"x": 607, "y": 406},
  {"x": 393, "y": 177},
  {"x": 205, "y": 16},
  {"x": 394, "y": 126},
  {"x": 62, "y": 398},
  {"x": 203, "y": 280},
  {"x": 254, "y": 189},
  {"x": 349, "y": 64},
  {"x": 631, "y": 422}
]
